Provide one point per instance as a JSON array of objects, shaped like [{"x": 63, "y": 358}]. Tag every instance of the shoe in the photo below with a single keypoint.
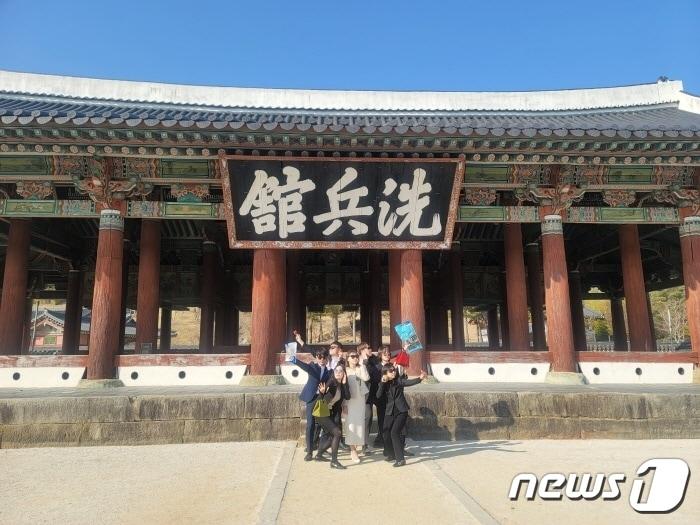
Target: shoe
[
  {"x": 354, "y": 457},
  {"x": 400, "y": 463},
  {"x": 367, "y": 451},
  {"x": 409, "y": 454},
  {"x": 336, "y": 464},
  {"x": 308, "y": 457},
  {"x": 343, "y": 446},
  {"x": 321, "y": 457},
  {"x": 390, "y": 458}
]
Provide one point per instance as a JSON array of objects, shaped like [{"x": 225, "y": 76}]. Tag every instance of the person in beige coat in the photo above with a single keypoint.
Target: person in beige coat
[{"x": 354, "y": 408}]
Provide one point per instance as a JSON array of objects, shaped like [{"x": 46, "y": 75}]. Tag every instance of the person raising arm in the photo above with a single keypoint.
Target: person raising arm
[
  {"x": 396, "y": 411},
  {"x": 317, "y": 373}
]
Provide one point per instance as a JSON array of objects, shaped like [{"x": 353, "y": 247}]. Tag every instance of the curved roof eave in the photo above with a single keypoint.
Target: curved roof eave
[{"x": 662, "y": 92}]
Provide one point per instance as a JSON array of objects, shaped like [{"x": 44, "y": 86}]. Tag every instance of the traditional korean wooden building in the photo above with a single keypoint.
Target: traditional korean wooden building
[{"x": 155, "y": 197}]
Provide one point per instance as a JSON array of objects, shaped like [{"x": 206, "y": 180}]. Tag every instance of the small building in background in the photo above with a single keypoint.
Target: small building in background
[{"x": 46, "y": 330}]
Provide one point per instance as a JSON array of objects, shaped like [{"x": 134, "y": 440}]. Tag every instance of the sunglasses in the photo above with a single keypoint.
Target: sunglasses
[{"x": 353, "y": 356}]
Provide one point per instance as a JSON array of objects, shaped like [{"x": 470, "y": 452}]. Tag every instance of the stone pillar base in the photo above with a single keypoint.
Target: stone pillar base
[
  {"x": 565, "y": 378},
  {"x": 100, "y": 383},
  {"x": 262, "y": 380}
]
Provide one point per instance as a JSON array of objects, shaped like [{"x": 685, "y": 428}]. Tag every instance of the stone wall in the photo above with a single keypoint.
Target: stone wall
[
  {"x": 142, "y": 420},
  {"x": 147, "y": 419},
  {"x": 548, "y": 415}
]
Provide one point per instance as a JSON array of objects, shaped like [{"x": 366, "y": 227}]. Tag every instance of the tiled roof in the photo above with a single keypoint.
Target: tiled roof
[
  {"x": 58, "y": 316},
  {"x": 655, "y": 110}
]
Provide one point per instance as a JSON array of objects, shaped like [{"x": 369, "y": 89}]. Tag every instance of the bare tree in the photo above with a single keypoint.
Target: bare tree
[
  {"x": 668, "y": 309},
  {"x": 474, "y": 317},
  {"x": 334, "y": 310}
]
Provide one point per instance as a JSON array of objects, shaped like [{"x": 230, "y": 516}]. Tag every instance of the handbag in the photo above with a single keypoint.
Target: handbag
[{"x": 321, "y": 408}]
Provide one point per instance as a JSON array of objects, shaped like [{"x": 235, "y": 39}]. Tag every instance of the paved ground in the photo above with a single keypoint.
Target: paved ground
[
  {"x": 9, "y": 393},
  {"x": 268, "y": 482}
]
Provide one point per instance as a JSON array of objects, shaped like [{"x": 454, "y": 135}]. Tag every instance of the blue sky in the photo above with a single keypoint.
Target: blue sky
[{"x": 359, "y": 44}]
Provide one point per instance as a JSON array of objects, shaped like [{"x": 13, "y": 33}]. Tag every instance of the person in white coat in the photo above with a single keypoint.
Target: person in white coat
[{"x": 354, "y": 409}]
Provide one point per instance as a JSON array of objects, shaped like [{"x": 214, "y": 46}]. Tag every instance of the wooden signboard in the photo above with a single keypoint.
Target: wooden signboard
[{"x": 298, "y": 202}]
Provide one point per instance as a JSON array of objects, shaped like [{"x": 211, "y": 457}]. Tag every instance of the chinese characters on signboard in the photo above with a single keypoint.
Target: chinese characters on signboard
[{"x": 306, "y": 203}]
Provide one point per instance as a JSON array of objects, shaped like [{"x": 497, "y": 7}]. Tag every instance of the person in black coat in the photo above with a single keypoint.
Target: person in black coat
[
  {"x": 333, "y": 392},
  {"x": 317, "y": 373},
  {"x": 337, "y": 409},
  {"x": 396, "y": 411},
  {"x": 370, "y": 361},
  {"x": 384, "y": 358}
]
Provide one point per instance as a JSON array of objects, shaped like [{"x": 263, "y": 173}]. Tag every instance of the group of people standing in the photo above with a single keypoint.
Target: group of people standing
[{"x": 351, "y": 384}]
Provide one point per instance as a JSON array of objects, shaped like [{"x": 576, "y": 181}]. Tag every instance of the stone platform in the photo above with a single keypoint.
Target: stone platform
[{"x": 162, "y": 415}]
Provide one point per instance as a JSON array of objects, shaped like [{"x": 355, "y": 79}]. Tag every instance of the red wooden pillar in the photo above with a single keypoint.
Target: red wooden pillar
[
  {"x": 226, "y": 326},
  {"x": 293, "y": 293},
  {"x": 635, "y": 293},
  {"x": 394, "y": 297},
  {"x": 375, "y": 299},
  {"x": 536, "y": 295},
  {"x": 411, "y": 300},
  {"x": 148, "y": 294},
  {"x": 492, "y": 328},
  {"x": 438, "y": 325},
  {"x": 14, "y": 287},
  {"x": 456, "y": 284},
  {"x": 503, "y": 323},
  {"x": 365, "y": 295},
  {"x": 556, "y": 287},
  {"x": 74, "y": 311},
  {"x": 577, "y": 319},
  {"x": 233, "y": 329},
  {"x": 651, "y": 322},
  {"x": 166, "y": 320},
  {"x": 269, "y": 306},
  {"x": 618, "y": 324},
  {"x": 516, "y": 288},
  {"x": 208, "y": 295},
  {"x": 124, "y": 293},
  {"x": 690, "y": 250},
  {"x": 438, "y": 312},
  {"x": 428, "y": 327},
  {"x": 222, "y": 319},
  {"x": 107, "y": 312},
  {"x": 29, "y": 313},
  {"x": 223, "y": 325}
]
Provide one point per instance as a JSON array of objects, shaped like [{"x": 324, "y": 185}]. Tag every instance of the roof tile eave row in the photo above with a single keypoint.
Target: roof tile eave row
[
  {"x": 609, "y": 131},
  {"x": 355, "y": 110}
]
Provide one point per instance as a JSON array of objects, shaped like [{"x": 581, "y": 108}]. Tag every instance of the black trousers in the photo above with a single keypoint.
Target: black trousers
[
  {"x": 381, "y": 409},
  {"x": 394, "y": 425},
  {"x": 337, "y": 416},
  {"x": 330, "y": 438},
  {"x": 310, "y": 426}
]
